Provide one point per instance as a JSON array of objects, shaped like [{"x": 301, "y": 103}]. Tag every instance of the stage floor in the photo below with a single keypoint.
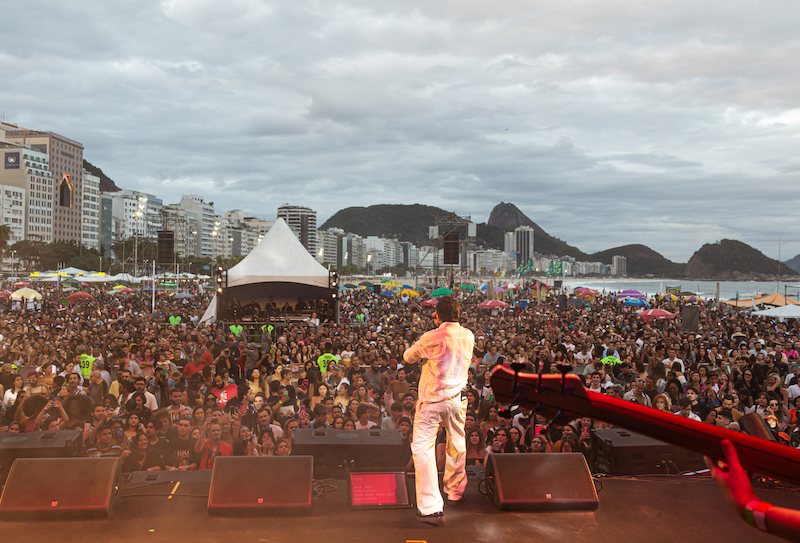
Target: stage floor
[{"x": 643, "y": 510}]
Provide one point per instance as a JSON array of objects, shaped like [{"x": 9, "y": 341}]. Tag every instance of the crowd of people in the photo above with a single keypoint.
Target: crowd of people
[{"x": 173, "y": 394}]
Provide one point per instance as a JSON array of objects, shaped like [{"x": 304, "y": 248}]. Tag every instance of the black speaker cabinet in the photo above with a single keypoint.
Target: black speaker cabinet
[
  {"x": 618, "y": 451},
  {"x": 333, "y": 450},
  {"x": 260, "y": 485},
  {"x": 540, "y": 482},
  {"x": 58, "y": 444},
  {"x": 57, "y": 488}
]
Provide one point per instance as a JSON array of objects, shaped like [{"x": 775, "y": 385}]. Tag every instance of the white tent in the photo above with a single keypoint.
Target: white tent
[
  {"x": 782, "y": 312},
  {"x": 279, "y": 257},
  {"x": 279, "y": 267},
  {"x": 211, "y": 311}
]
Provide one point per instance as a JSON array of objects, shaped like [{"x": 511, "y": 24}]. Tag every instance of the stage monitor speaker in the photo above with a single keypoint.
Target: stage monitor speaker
[
  {"x": 260, "y": 485},
  {"x": 50, "y": 488},
  {"x": 60, "y": 444},
  {"x": 562, "y": 302},
  {"x": 334, "y": 450},
  {"x": 540, "y": 482},
  {"x": 755, "y": 425},
  {"x": 620, "y": 452},
  {"x": 166, "y": 247},
  {"x": 451, "y": 243}
]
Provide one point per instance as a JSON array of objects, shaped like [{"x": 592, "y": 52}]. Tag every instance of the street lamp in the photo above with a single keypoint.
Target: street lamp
[{"x": 140, "y": 210}]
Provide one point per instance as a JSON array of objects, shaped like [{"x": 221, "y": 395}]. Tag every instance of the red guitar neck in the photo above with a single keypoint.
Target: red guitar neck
[{"x": 758, "y": 455}]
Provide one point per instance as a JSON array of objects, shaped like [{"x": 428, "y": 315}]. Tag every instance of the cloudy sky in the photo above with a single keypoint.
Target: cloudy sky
[{"x": 670, "y": 123}]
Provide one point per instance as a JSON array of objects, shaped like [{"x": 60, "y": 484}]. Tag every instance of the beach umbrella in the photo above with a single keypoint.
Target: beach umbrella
[
  {"x": 636, "y": 302},
  {"x": 441, "y": 292},
  {"x": 512, "y": 286},
  {"x": 612, "y": 360},
  {"x": 21, "y": 284},
  {"x": 430, "y": 303},
  {"x": 407, "y": 286},
  {"x": 69, "y": 289},
  {"x": 365, "y": 284},
  {"x": 350, "y": 285},
  {"x": 5, "y": 294},
  {"x": 125, "y": 291},
  {"x": 386, "y": 293},
  {"x": 408, "y": 292},
  {"x": 630, "y": 293},
  {"x": 692, "y": 299},
  {"x": 26, "y": 294},
  {"x": 80, "y": 297},
  {"x": 392, "y": 284},
  {"x": 648, "y": 314},
  {"x": 118, "y": 287},
  {"x": 467, "y": 287},
  {"x": 183, "y": 296},
  {"x": 588, "y": 293},
  {"x": 493, "y": 304},
  {"x": 670, "y": 297}
]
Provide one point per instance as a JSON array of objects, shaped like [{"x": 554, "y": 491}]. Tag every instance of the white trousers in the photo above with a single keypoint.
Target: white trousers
[{"x": 429, "y": 417}]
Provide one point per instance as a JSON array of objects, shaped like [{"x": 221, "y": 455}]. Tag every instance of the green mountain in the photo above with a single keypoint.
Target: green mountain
[
  {"x": 106, "y": 184},
  {"x": 732, "y": 260},
  {"x": 508, "y": 216},
  {"x": 794, "y": 263},
  {"x": 404, "y": 222},
  {"x": 641, "y": 261}
]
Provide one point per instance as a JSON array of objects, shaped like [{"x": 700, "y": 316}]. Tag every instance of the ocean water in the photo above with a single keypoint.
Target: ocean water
[{"x": 705, "y": 289}]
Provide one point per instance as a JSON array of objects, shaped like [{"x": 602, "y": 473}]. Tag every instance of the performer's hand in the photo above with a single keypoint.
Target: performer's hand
[{"x": 731, "y": 478}]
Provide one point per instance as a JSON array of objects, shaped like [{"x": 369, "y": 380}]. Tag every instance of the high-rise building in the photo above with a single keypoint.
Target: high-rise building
[
  {"x": 66, "y": 167},
  {"x": 328, "y": 243},
  {"x": 136, "y": 214},
  {"x": 353, "y": 251},
  {"x": 184, "y": 225},
  {"x": 509, "y": 243},
  {"x": 410, "y": 255},
  {"x": 26, "y": 175},
  {"x": 204, "y": 212},
  {"x": 90, "y": 211},
  {"x": 523, "y": 237},
  {"x": 619, "y": 266},
  {"x": 303, "y": 222}
]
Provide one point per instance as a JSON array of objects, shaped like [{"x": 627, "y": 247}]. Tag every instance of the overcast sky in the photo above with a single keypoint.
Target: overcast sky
[{"x": 670, "y": 123}]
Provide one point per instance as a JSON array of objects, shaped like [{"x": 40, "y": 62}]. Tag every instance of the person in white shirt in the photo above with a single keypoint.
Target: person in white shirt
[
  {"x": 671, "y": 359},
  {"x": 442, "y": 401}
]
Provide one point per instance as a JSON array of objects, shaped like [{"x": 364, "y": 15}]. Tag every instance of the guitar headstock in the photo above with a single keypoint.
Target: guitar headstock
[{"x": 529, "y": 389}]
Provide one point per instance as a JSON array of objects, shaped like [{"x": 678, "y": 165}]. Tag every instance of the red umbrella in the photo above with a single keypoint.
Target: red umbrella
[
  {"x": 22, "y": 284},
  {"x": 80, "y": 297},
  {"x": 493, "y": 304},
  {"x": 656, "y": 314},
  {"x": 430, "y": 303},
  {"x": 5, "y": 294},
  {"x": 587, "y": 292},
  {"x": 126, "y": 291}
]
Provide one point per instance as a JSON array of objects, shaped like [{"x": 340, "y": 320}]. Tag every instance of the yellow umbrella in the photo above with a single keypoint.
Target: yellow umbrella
[
  {"x": 671, "y": 297},
  {"x": 27, "y": 294},
  {"x": 408, "y": 292},
  {"x": 392, "y": 284},
  {"x": 119, "y": 287}
]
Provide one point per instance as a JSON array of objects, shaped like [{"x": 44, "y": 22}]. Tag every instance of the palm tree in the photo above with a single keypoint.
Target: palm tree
[{"x": 5, "y": 235}]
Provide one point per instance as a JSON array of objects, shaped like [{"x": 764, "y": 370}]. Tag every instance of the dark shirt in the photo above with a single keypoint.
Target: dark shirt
[{"x": 181, "y": 453}]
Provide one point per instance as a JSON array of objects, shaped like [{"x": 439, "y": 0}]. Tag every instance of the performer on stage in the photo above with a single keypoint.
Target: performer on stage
[{"x": 442, "y": 402}]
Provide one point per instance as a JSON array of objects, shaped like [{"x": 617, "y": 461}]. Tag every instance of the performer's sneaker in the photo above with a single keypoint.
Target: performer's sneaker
[
  {"x": 434, "y": 519},
  {"x": 451, "y": 501}
]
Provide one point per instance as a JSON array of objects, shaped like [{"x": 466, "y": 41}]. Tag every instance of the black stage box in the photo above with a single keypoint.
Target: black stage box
[{"x": 617, "y": 451}]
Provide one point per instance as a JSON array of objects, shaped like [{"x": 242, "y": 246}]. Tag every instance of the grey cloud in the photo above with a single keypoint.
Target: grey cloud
[{"x": 670, "y": 123}]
